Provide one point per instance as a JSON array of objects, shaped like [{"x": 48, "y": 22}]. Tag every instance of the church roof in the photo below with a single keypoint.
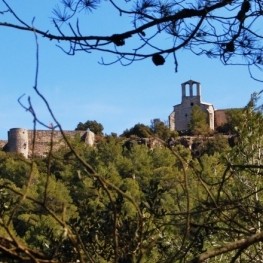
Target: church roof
[{"x": 190, "y": 82}]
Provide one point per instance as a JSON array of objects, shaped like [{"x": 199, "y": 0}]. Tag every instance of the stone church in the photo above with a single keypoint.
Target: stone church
[{"x": 180, "y": 117}]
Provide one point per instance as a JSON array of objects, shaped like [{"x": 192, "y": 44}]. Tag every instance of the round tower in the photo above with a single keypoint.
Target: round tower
[{"x": 18, "y": 141}]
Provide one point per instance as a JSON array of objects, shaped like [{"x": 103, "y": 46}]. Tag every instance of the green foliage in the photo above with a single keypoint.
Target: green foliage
[
  {"x": 233, "y": 118},
  {"x": 157, "y": 129},
  {"x": 161, "y": 130},
  {"x": 94, "y": 126},
  {"x": 139, "y": 130},
  {"x": 211, "y": 145},
  {"x": 14, "y": 168},
  {"x": 140, "y": 205},
  {"x": 249, "y": 133},
  {"x": 199, "y": 121}
]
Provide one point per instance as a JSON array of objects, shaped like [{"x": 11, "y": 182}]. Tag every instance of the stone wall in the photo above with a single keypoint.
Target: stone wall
[
  {"x": 21, "y": 140},
  {"x": 2, "y": 143},
  {"x": 220, "y": 118},
  {"x": 43, "y": 140}
]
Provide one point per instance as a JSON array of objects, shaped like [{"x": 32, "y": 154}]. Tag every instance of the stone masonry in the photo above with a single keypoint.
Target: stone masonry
[
  {"x": 180, "y": 117},
  {"x": 21, "y": 140}
]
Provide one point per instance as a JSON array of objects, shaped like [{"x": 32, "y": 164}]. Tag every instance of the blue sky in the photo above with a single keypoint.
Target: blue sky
[{"x": 78, "y": 88}]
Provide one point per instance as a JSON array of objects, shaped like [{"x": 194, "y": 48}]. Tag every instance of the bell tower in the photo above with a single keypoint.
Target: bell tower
[
  {"x": 191, "y": 90},
  {"x": 180, "y": 118}
]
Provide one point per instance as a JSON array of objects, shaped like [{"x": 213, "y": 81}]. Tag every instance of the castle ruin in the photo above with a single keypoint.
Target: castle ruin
[{"x": 22, "y": 141}]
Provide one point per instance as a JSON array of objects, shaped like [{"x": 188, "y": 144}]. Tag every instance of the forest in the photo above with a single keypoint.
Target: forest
[{"x": 111, "y": 203}]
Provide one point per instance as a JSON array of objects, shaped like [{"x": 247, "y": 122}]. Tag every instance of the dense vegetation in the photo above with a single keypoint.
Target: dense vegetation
[
  {"x": 113, "y": 204},
  {"x": 93, "y": 126}
]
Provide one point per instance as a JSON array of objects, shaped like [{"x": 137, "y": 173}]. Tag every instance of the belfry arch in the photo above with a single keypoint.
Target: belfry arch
[{"x": 191, "y": 89}]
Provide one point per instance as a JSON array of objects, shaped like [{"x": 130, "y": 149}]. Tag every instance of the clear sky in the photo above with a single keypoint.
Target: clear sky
[{"x": 78, "y": 88}]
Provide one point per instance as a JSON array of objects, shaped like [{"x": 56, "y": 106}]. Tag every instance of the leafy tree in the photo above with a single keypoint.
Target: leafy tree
[
  {"x": 240, "y": 189},
  {"x": 199, "y": 122},
  {"x": 161, "y": 130},
  {"x": 94, "y": 126},
  {"x": 156, "y": 129},
  {"x": 223, "y": 29},
  {"x": 210, "y": 146},
  {"x": 139, "y": 129},
  {"x": 233, "y": 118},
  {"x": 14, "y": 168}
]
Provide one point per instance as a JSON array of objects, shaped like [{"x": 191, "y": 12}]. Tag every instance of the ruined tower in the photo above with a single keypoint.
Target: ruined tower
[{"x": 18, "y": 141}]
